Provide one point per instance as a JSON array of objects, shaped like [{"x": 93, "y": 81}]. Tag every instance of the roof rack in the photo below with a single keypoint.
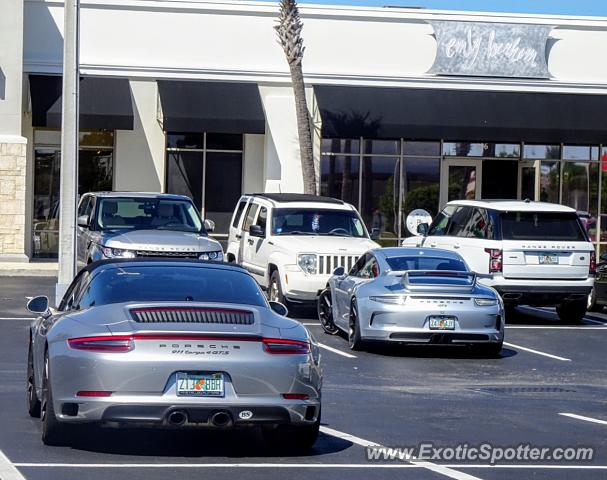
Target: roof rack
[{"x": 298, "y": 197}]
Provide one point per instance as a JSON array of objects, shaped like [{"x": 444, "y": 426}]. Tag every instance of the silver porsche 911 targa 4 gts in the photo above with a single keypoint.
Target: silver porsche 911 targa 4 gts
[
  {"x": 412, "y": 295},
  {"x": 173, "y": 344}
]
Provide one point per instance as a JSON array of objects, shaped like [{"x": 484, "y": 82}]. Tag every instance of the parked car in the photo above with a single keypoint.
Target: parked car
[
  {"x": 171, "y": 343},
  {"x": 537, "y": 253},
  {"x": 291, "y": 243},
  {"x": 133, "y": 225},
  {"x": 412, "y": 295},
  {"x": 598, "y": 297}
]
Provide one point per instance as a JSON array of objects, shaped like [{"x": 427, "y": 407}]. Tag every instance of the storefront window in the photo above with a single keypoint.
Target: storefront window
[
  {"x": 339, "y": 177},
  {"x": 341, "y": 145},
  {"x": 550, "y": 152},
  {"x": 421, "y": 149},
  {"x": 95, "y": 173},
  {"x": 379, "y": 199},
  {"x": 463, "y": 149},
  {"x": 503, "y": 150},
  {"x": 576, "y": 152},
  {"x": 421, "y": 180},
  {"x": 549, "y": 182},
  {"x": 381, "y": 147}
]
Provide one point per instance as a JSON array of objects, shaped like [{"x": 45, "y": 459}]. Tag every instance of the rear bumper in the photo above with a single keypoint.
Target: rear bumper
[{"x": 539, "y": 292}]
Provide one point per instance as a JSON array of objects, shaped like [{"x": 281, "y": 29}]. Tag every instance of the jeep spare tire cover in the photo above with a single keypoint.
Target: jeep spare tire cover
[{"x": 416, "y": 217}]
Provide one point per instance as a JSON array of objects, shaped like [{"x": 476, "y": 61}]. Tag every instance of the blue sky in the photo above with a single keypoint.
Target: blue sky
[{"x": 557, "y": 7}]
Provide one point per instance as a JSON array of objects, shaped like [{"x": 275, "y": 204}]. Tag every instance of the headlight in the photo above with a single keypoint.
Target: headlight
[
  {"x": 211, "y": 256},
  {"x": 485, "y": 302},
  {"x": 390, "y": 299},
  {"x": 307, "y": 262},
  {"x": 117, "y": 253}
]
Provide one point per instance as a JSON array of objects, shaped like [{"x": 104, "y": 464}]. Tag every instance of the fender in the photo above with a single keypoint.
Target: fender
[{"x": 280, "y": 259}]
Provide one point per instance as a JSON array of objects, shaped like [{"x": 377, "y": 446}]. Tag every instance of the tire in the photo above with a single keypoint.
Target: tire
[
  {"x": 291, "y": 438},
  {"x": 572, "y": 312},
  {"x": 592, "y": 305},
  {"x": 489, "y": 350},
  {"x": 33, "y": 402},
  {"x": 275, "y": 289},
  {"x": 54, "y": 433},
  {"x": 355, "y": 340},
  {"x": 324, "y": 309}
]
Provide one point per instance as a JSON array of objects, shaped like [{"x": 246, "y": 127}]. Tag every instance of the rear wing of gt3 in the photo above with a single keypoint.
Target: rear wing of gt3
[{"x": 449, "y": 280}]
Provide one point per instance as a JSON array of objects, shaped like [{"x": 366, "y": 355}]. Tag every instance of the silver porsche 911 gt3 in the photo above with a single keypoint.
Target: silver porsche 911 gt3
[
  {"x": 174, "y": 344},
  {"x": 412, "y": 295}
]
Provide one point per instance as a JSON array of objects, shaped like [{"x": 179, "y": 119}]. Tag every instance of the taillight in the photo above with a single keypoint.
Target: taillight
[
  {"x": 93, "y": 393},
  {"x": 107, "y": 343},
  {"x": 592, "y": 266},
  {"x": 495, "y": 259},
  {"x": 295, "y": 396},
  {"x": 283, "y": 346}
]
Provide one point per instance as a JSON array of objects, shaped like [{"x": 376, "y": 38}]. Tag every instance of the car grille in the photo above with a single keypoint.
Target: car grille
[
  {"x": 192, "y": 315},
  {"x": 149, "y": 253},
  {"x": 328, "y": 263}
]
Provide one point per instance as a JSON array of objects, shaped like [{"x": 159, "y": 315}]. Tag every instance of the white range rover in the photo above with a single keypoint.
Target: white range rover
[
  {"x": 291, "y": 243},
  {"x": 536, "y": 253}
]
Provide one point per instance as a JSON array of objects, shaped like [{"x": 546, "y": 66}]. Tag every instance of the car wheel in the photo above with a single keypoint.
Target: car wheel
[
  {"x": 573, "y": 312},
  {"x": 292, "y": 438},
  {"x": 489, "y": 350},
  {"x": 325, "y": 312},
  {"x": 53, "y": 432},
  {"x": 592, "y": 305},
  {"x": 354, "y": 337},
  {"x": 275, "y": 289},
  {"x": 33, "y": 403}
]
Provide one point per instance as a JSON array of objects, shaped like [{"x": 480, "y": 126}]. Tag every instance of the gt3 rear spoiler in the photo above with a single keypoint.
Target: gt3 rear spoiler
[{"x": 434, "y": 279}]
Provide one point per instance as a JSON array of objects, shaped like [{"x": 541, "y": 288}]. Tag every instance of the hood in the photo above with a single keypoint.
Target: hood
[
  {"x": 159, "y": 240},
  {"x": 324, "y": 244}
]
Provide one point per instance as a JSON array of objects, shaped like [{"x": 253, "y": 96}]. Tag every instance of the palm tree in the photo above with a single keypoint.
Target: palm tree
[{"x": 289, "y": 36}]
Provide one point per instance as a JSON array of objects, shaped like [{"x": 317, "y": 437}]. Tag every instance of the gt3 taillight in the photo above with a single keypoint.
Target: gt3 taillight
[
  {"x": 107, "y": 343},
  {"x": 283, "y": 346},
  {"x": 495, "y": 260},
  {"x": 592, "y": 266}
]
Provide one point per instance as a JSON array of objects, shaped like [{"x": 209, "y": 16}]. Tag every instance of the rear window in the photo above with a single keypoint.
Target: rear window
[
  {"x": 170, "y": 283},
  {"x": 542, "y": 226},
  {"x": 399, "y": 264}
]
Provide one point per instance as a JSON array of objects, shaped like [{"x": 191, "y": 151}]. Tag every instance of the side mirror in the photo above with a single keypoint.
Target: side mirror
[
  {"x": 375, "y": 233},
  {"x": 209, "y": 225},
  {"x": 423, "y": 229},
  {"x": 279, "y": 308},
  {"x": 256, "y": 231},
  {"x": 83, "y": 221},
  {"x": 339, "y": 271},
  {"x": 38, "y": 305}
]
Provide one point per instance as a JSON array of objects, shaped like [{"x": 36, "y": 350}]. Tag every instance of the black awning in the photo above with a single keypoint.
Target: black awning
[
  {"x": 211, "y": 107},
  {"x": 431, "y": 114},
  {"x": 104, "y": 102}
]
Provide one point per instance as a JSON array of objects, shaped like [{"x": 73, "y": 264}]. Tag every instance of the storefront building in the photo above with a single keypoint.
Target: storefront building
[{"x": 410, "y": 109}]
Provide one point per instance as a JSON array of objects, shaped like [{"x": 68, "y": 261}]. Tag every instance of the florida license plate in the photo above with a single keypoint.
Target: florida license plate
[
  {"x": 442, "y": 322},
  {"x": 549, "y": 259},
  {"x": 200, "y": 385}
]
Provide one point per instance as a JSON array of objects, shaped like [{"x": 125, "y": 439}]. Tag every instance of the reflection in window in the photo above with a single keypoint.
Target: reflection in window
[
  {"x": 382, "y": 147},
  {"x": 576, "y": 152},
  {"x": 424, "y": 149},
  {"x": 185, "y": 140},
  {"x": 580, "y": 191},
  {"x": 341, "y": 145},
  {"x": 380, "y": 184},
  {"x": 549, "y": 182},
  {"x": 462, "y": 182},
  {"x": 421, "y": 178},
  {"x": 503, "y": 150},
  {"x": 339, "y": 177},
  {"x": 542, "y": 151},
  {"x": 463, "y": 149}
]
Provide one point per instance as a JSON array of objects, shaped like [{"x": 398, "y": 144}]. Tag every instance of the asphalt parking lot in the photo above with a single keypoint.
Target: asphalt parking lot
[{"x": 548, "y": 389}]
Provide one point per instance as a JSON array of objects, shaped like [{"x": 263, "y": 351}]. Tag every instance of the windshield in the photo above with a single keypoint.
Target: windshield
[
  {"x": 400, "y": 264},
  {"x": 170, "y": 283},
  {"x": 542, "y": 226},
  {"x": 310, "y": 221},
  {"x": 148, "y": 214}
]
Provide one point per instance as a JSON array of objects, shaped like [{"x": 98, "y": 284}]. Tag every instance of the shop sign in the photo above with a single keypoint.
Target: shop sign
[{"x": 491, "y": 49}]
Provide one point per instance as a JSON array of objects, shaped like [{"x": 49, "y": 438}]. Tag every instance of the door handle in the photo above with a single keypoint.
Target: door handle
[
  {"x": 433, "y": 245},
  {"x": 456, "y": 245},
  {"x": 238, "y": 237},
  {"x": 250, "y": 241}
]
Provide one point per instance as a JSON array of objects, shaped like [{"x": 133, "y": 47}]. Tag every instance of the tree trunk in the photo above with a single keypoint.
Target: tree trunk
[{"x": 303, "y": 129}]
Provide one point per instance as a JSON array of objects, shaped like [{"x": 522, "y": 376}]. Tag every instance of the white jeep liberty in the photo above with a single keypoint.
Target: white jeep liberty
[{"x": 291, "y": 243}]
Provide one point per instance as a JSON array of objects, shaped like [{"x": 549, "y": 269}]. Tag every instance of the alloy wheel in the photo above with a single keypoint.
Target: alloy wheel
[{"x": 325, "y": 312}]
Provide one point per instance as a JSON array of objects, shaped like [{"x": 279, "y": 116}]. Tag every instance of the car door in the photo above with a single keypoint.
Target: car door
[
  {"x": 82, "y": 233},
  {"x": 365, "y": 269},
  {"x": 477, "y": 236},
  {"x": 258, "y": 248},
  {"x": 451, "y": 239},
  {"x": 244, "y": 256},
  {"x": 235, "y": 228}
]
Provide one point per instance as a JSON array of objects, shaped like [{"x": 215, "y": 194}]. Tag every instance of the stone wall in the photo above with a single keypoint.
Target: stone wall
[{"x": 12, "y": 201}]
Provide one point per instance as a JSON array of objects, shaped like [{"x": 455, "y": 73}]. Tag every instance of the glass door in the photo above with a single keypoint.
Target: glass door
[
  {"x": 460, "y": 179},
  {"x": 527, "y": 180}
]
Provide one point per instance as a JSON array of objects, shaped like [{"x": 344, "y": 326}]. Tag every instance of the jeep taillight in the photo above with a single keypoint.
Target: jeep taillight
[
  {"x": 495, "y": 259},
  {"x": 592, "y": 266}
]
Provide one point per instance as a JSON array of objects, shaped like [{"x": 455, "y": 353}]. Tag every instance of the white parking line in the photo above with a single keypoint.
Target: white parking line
[
  {"x": 334, "y": 350},
  {"x": 440, "y": 469},
  {"x": 310, "y": 324},
  {"x": 18, "y": 318},
  {"x": 585, "y": 419},
  {"x": 537, "y": 352},
  {"x": 553, "y": 327},
  {"x": 598, "y": 322},
  {"x": 8, "y": 470}
]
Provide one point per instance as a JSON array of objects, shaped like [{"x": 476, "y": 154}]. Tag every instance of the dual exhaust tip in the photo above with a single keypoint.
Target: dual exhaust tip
[{"x": 178, "y": 418}]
